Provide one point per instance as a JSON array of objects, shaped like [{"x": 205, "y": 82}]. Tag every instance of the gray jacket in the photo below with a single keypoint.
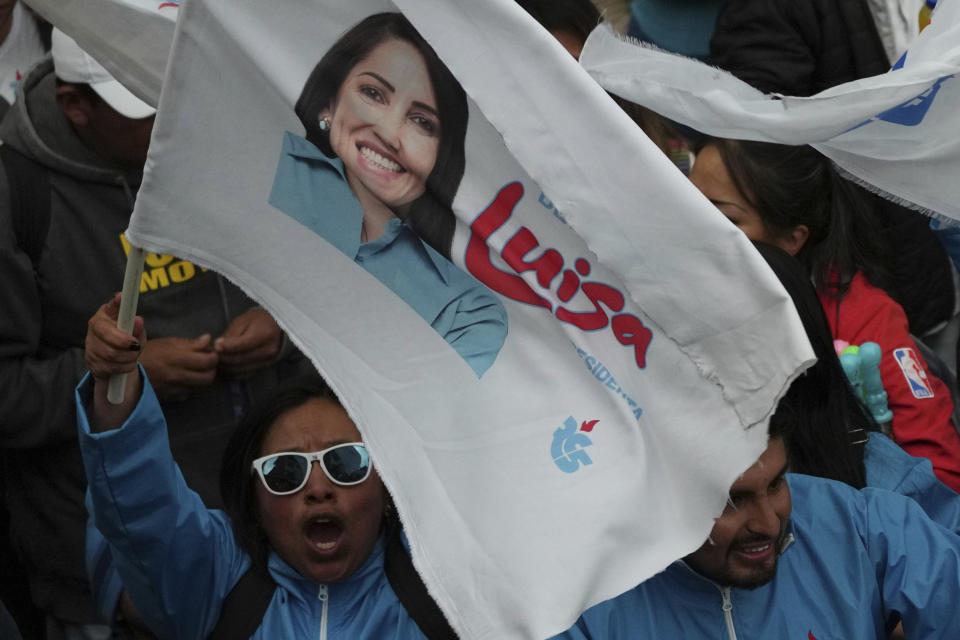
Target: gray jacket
[{"x": 43, "y": 319}]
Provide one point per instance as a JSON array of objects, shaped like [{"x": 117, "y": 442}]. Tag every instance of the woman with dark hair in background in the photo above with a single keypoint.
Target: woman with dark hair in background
[
  {"x": 316, "y": 534},
  {"x": 793, "y": 197},
  {"x": 832, "y": 434},
  {"x": 829, "y": 424},
  {"x": 383, "y": 157}
]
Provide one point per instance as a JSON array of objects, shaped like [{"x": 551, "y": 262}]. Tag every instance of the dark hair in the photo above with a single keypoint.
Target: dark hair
[
  {"x": 794, "y": 185},
  {"x": 430, "y": 216},
  {"x": 244, "y": 447},
  {"x": 820, "y": 418},
  {"x": 577, "y": 17},
  {"x": 655, "y": 126}
]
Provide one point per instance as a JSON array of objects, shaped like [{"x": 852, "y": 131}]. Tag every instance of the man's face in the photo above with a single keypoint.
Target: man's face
[
  {"x": 106, "y": 132},
  {"x": 120, "y": 139},
  {"x": 747, "y": 538}
]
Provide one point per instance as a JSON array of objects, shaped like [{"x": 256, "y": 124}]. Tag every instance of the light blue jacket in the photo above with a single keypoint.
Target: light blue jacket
[
  {"x": 889, "y": 467},
  {"x": 312, "y": 189},
  {"x": 854, "y": 559},
  {"x": 179, "y": 560}
]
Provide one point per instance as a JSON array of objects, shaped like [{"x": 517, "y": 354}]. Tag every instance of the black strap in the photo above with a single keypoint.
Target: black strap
[
  {"x": 411, "y": 591},
  {"x": 244, "y": 607},
  {"x": 29, "y": 185}
]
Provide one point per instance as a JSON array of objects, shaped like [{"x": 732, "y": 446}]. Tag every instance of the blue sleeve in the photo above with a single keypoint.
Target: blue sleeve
[
  {"x": 475, "y": 325},
  {"x": 592, "y": 624},
  {"x": 613, "y": 619},
  {"x": 940, "y": 502},
  {"x": 105, "y": 582},
  {"x": 177, "y": 559},
  {"x": 948, "y": 233},
  {"x": 917, "y": 564},
  {"x": 889, "y": 467}
]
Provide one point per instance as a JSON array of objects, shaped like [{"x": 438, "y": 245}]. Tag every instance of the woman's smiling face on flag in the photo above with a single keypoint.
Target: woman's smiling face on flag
[{"x": 385, "y": 126}]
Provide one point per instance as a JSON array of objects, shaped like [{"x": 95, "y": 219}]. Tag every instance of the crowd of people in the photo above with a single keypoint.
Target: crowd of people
[{"x": 844, "y": 527}]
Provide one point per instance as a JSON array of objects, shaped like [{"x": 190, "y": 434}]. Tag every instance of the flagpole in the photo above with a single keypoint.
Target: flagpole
[{"x": 128, "y": 312}]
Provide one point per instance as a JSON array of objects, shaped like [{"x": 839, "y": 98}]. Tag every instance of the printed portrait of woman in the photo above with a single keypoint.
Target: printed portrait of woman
[{"x": 377, "y": 171}]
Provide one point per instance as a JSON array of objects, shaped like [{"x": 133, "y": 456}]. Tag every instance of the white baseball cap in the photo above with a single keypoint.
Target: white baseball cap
[{"x": 73, "y": 64}]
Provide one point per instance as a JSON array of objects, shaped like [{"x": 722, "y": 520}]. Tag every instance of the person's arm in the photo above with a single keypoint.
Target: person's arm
[
  {"x": 111, "y": 352},
  {"x": 890, "y": 467},
  {"x": 578, "y": 631},
  {"x": 35, "y": 381},
  {"x": 177, "y": 560},
  {"x": 618, "y": 618},
  {"x": 760, "y": 42},
  {"x": 939, "y": 502},
  {"x": 111, "y": 602},
  {"x": 921, "y": 425},
  {"x": 917, "y": 564},
  {"x": 921, "y": 422}
]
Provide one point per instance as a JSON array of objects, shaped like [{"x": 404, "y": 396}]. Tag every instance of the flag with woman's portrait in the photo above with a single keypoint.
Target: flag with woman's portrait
[{"x": 559, "y": 353}]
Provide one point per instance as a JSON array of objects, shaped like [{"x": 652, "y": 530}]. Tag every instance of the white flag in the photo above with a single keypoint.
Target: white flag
[
  {"x": 895, "y": 132},
  {"x": 130, "y": 38},
  {"x": 598, "y": 338}
]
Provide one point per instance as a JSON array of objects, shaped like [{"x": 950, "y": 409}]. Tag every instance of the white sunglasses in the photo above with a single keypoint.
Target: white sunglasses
[{"x": 287, "y": 472}]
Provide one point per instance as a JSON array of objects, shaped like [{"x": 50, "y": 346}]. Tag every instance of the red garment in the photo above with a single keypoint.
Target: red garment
[{"x": 921, "y": 403}]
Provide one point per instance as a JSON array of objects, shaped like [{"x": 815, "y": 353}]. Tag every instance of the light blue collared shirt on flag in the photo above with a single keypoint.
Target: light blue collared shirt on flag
[{"x": 312, "y": 189}]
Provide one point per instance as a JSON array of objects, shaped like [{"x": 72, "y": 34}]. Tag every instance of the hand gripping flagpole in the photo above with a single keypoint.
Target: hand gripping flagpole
[{"x": 127, "y": 314}]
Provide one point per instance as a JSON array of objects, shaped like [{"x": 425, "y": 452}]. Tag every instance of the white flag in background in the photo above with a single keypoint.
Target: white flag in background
[
  {"x": 895, "y": 132},
  {"x": 130, "y": 38}
]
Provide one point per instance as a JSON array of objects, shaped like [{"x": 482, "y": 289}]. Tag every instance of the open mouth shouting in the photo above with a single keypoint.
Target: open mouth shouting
[{"x": 324, "y": 533}]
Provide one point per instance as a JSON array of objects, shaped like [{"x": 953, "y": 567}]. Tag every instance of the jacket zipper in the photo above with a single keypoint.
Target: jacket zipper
[
  {"x": 324, "y": 596},
  {"x": 728, "y": 612},
  {"x": 725, "y": 591}
]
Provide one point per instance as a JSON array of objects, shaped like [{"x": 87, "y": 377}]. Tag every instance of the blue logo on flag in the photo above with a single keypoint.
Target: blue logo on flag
[
  {"x": 910, "y": 113},
  {"x": 569, "y": 444}
]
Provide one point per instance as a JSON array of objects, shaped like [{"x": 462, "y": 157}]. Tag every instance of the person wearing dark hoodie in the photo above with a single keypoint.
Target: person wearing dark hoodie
[{"x": 74, "y": 147}]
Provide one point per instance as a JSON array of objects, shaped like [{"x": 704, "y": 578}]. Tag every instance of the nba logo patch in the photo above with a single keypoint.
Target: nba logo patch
[{"x": 916, "y": 377}]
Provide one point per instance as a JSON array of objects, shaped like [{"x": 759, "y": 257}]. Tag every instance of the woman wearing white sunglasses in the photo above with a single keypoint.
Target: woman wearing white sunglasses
[{"x": 304, "y": 509}]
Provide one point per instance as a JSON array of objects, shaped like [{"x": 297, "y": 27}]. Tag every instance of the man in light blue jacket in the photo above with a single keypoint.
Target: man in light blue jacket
[{"x": 795, "y": 556}]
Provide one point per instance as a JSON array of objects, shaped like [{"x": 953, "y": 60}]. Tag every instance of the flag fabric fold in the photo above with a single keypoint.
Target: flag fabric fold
[
  {"x": 131, "y": 39},
  {"x": 891, "y": 132}
]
